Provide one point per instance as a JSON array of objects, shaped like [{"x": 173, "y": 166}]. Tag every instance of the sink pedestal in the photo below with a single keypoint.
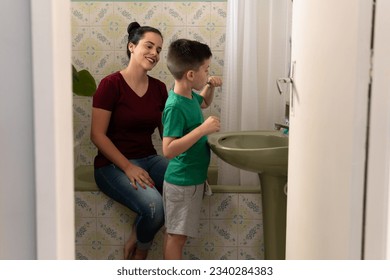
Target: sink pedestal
[
  {"x": 266, "y": 153},
  {"x": 274, "y": 202}
]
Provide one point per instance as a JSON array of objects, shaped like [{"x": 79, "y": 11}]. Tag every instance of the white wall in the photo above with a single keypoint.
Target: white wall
[
  {"x": 17, "y": 187},
  {"x": 36, "y": 174},
  {"x": 331, "y": 47}
]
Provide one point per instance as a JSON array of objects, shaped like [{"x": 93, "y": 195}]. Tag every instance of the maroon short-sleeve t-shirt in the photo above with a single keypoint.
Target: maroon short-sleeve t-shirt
[{"x": 133, "y": 118}]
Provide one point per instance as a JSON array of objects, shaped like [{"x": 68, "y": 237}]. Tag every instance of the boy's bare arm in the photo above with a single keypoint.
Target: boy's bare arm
[
  {"x": 208, "y": 91},
  {"x": 173, "y": 147}
]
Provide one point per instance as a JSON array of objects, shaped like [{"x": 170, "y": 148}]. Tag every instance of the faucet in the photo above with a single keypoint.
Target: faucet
[
  {"x": 279, "y": 126},
  {"x": 284, "y": 127}
]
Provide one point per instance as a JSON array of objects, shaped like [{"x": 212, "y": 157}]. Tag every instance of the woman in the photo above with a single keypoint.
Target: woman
[{"x": 127, "y": 108}]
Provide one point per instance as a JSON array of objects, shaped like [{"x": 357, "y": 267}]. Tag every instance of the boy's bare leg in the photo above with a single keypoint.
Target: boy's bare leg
[{"x": 173, "y": 246}]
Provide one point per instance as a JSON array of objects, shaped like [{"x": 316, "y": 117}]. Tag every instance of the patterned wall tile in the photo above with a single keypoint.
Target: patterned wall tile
[
  {"x": 201, "y": 34},
  {"x": 217, "y": 63},
  {"x": 76, "y": 152},
  {"x": 196, "y": 253},
  {"x": 103, "y": 63},
  {"x": 110, "y": 252},
  {"x": 102, "y": 38},
  {"x": 250, "y": 206},
  {"x": 206, "y": 112},
  {"x": 250, "y": 253},
  {"x": 174, "y": 13},
  {"x": 85, "y": 252},
  {"x": 99, "y": 11},
  {"x": 80, "y": 13},
  {"x": 87, "y": 154},
  {"x": 85, "y": 204},
  {"x": 110, "y": 231},
  {"x": 251, "y": 233},
  {"x": 223, "y": 205},
  {"x": 126, "y": 13},
  {"x": 80, "y": 60},
  {"x": 223, "y": 232},
  {"x": 85, "y": 230},
  {"x": 218, "y": 13},
  {"x": 82, "y": 109},
  {"x": 121, "y": 60},
  {"x": 218, "y": 38},
  {"x": 171, "y": 33},
  {"x": 82, "y": 132},
  {"x": 204, "y": 229},
  {"x": 224, "y": 253},
  {"x": 120, "y": 42},
  {"x": 145, "y": 13},
  {"x": 80, "y": 38},
  {"x": 198, "y": 14},
  {"x": 215, "y": 109}
]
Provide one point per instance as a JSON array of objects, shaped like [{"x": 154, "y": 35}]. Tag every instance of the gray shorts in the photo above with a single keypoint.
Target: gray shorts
[{"x": 182, "y": 205}]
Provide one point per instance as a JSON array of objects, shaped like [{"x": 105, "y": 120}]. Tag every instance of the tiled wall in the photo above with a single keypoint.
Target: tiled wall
[
  {"x": 231, "y": 223},
  {"x": 230, "y": 227},
  {"x": 99, "y": 40}
]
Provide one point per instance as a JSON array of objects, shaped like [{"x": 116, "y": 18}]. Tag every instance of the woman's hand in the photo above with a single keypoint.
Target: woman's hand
[{"x": 138, "y": 175}]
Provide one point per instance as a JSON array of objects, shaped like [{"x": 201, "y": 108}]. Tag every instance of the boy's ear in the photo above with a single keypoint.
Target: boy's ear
[{"x": 190, "y": 75}]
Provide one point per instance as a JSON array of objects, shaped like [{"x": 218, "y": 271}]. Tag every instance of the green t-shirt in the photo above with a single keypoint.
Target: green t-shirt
[{"x": 181, "y": 115}]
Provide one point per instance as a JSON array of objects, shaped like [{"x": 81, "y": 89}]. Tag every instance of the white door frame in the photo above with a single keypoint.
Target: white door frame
[
  {"x": 53, "y": 128},
  {"x": 377, "y": 232}
]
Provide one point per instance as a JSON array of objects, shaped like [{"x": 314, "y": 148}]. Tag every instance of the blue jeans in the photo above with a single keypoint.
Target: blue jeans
[{"x": 147, "y": 203}]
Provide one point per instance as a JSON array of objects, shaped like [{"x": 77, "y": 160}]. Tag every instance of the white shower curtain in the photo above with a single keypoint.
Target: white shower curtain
[{"x": 249, "y": 90}]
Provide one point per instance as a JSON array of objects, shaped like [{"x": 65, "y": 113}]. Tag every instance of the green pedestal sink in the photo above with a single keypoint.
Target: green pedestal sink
[{"x": 266, "y": 153}]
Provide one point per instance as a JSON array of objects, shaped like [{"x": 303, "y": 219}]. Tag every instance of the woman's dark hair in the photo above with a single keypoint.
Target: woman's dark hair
[{"x": 136, "y": 32}]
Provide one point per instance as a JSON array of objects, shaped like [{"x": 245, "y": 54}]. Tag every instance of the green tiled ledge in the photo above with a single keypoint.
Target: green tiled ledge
[{"x": 84, "y": 181}]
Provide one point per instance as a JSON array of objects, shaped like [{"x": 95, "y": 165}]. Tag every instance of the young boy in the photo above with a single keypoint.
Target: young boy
[{"x": 185, "y": 141}]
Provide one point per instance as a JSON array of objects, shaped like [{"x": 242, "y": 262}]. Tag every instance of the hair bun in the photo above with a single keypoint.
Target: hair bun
[{"x": 132, "y": 27}]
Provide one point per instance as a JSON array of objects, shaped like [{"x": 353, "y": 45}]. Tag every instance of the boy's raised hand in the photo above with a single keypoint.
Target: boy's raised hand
[{"x": 215, "y": 81}]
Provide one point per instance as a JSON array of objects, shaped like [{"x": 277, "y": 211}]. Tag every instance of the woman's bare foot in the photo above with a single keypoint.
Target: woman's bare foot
[
  {"x": 129, "y": 248},
  {"x": 139, "y": 254}
]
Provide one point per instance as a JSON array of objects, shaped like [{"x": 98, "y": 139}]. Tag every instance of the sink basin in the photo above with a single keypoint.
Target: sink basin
[
  {"x": 264, "y": 152},
  {"x": 256, "y": 151}
]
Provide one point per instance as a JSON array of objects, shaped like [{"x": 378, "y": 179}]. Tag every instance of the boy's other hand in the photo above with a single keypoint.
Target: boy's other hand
[{"x": 211, "y": 124}]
